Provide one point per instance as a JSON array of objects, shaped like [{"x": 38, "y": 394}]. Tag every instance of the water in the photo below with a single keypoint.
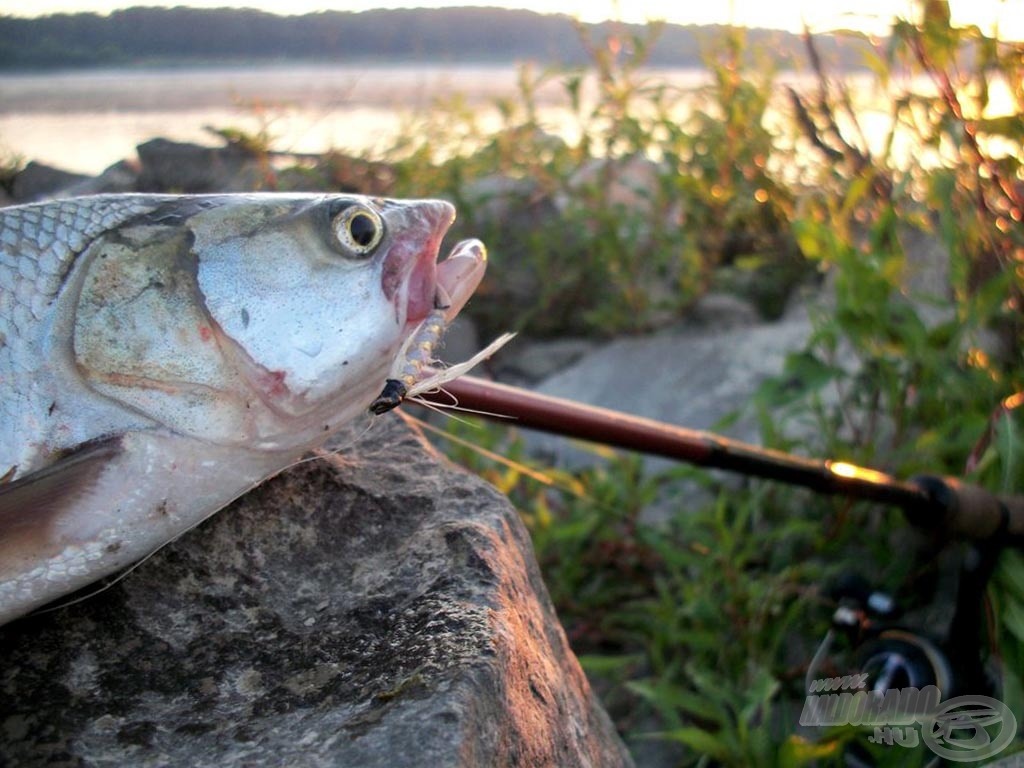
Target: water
[{"x": 85, "y": 121}]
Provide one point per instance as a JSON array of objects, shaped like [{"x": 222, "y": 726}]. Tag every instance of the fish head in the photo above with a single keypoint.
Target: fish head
[{"x": 296, "y": 310}]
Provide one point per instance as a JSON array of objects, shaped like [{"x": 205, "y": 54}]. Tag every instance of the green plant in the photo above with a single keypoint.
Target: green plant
[
  {"x": 697, "y": 628},
  {"x": 638, "y": 210},
  {"x": 912, "y": 379}
]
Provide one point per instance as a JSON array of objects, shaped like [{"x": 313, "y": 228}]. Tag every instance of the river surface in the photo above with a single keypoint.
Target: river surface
[{"x": 86, "y": 120}]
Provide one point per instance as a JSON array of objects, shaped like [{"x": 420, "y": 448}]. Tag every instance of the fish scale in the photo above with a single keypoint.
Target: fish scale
[
  {"x": 38, "y": 246},
  {"x": 160, "y": 355}
]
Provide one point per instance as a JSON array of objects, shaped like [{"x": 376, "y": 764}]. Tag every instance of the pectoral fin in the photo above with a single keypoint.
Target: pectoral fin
[{"x": 34, "y": 501}]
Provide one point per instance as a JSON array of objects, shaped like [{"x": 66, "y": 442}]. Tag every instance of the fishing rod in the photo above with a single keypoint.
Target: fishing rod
[
  {"x": 889, "y": 650},
  {"x": 943, "y": 503}
]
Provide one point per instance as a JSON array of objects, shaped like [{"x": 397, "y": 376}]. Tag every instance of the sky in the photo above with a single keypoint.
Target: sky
[{"x": 821, "y": 15}]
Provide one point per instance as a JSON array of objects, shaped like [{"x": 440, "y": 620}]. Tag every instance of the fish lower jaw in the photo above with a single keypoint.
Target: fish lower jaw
[
  {"x": 447, "y": 284},
  {"x": 309, "y": 428},
  {"x": 458, "y": 276}
]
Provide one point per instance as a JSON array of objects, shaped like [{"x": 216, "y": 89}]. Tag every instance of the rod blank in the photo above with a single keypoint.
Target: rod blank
[{"x": 945, "y": 503}]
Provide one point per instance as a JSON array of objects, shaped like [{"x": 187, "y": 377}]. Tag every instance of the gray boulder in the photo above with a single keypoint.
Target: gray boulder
[
  {"x": 693, "y": 377},
  {"x": 121, "y": 177},
  {"x": 632, "y": 183},
  {"x": 526, "y": 362},
  {"x": 517, "y": 219},
  {"x": 171, "y": 166},
  {"x": 381, "y": 609},
  {"x": 37, "y": 181}
]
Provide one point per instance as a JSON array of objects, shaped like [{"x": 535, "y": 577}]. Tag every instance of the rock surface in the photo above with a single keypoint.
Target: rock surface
[
  {"x": 692, "y": 377},
  {"x": 528, "y": 362},
  {"x": 119, "y": 178},
  {"x": 171, "y": 166},
  {"x": 381, "y": 610},
  {"x": 509, "y": 215},
  {"x": 36, "y": 181}
]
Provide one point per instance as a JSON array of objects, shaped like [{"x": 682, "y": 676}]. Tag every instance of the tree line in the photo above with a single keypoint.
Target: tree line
[{"x": 452, "y": 35}]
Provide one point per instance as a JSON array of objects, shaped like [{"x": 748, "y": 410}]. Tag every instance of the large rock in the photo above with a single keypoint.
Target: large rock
[
  {"x": 171, "y": 166},
  {"x": 334, "y": 172},
  {"x": 693, "y": 377},
  {"x": 382, "y": 610},
  {"x": 518, "y": 221},
  {"x": 119, "y": 178},
  {"x": 37, "y": 181},
  {"x": 526, "y": 362},
  {"x": 631, "y": 184}
]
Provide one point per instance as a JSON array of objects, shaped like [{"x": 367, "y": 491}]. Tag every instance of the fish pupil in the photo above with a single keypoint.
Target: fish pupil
[{"x": 363, "y": 229}]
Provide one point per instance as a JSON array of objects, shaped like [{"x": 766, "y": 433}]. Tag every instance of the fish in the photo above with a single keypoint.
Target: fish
[{"x": 161, "y": 355}]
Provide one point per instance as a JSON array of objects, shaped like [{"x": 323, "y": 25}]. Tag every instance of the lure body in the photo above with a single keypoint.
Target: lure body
[
  {"x": 411, "y": 372},
  {"x": 160, "y": 355}
]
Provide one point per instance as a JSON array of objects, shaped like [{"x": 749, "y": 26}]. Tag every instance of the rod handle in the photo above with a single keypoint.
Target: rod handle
[{"x": 973, "y": 512}]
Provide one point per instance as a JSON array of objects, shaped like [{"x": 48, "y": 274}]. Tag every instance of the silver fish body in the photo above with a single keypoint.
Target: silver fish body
[{"x": 160, "y": 355}]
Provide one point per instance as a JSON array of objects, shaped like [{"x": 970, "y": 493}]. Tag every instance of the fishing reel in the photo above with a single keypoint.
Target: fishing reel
[
  {"x": 887, "y": 652},
  {"x": 888, "y": 655},
  {"x": 895, "y": 655}
]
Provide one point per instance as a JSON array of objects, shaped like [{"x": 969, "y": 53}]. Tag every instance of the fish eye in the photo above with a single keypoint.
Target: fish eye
[{"x": 359, "y": 229}]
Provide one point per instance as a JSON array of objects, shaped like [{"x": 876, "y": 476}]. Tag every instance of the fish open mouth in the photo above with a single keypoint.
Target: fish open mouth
[
  {"x": 456, "y": 279},
  {"x": 446, "y": 285},
  {"x": 428, "y": 284},
  {"x": 408, "y": 276}
]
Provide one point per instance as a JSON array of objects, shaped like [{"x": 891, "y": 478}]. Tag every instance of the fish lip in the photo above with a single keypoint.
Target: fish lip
[
  {"x": 451, "y": 282},
  {"x": 409, "y": 273}
]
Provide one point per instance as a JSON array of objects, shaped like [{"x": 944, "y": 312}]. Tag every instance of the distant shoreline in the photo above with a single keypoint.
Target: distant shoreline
[
  {"x": 164, "y": 37},
  {"x": 84, "y": 121},
  {"x": 185, "y": 65}
]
